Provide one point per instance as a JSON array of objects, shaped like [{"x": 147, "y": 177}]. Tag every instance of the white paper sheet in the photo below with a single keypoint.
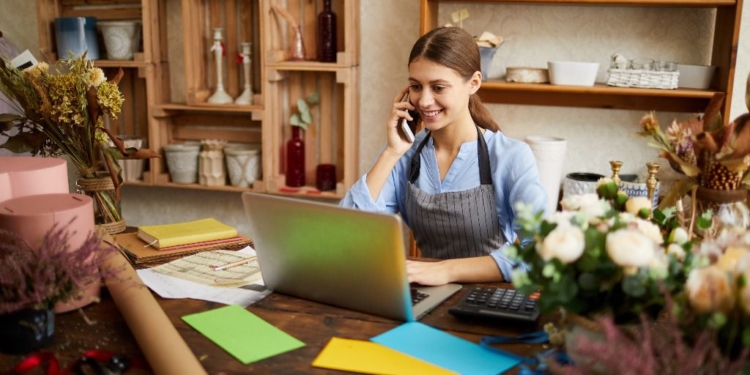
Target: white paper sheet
[{"x": 172, "y": 287}]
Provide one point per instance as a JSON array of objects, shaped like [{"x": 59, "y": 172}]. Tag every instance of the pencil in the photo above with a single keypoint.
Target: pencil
[{"x": 233, "y": 264}]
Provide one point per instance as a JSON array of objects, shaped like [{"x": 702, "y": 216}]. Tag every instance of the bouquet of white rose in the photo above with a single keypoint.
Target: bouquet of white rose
[{"x": 605, "y": 253}]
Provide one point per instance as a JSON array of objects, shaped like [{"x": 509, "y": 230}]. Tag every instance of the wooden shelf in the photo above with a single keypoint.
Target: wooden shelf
[
  {"x": 231, "y": 108},
  {"x": 308, "y": 66},
  {"x": 723, "y": 56},
  {"x": 228, "y": 188},
  {"x": 121, "y": 63},
  {"x": 660, "y": 3},
  {"x": 598, "y": 96},
  {"x": 308, "y": 192}
]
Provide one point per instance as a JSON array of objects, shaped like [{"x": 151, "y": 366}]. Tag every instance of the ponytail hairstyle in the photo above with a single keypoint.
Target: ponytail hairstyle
[{"x": 455, "y": 48}]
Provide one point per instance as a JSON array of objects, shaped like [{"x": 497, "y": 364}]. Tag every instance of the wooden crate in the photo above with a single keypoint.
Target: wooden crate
[
  {"x": 240, "y": 23},
  {"x": 145, "y": 81},
  {"x": 305, "y": 12},
  {"x": 180, "y": 123},
  {"x": 332, "y": 137},
  {"x": 102, "y": 10}
]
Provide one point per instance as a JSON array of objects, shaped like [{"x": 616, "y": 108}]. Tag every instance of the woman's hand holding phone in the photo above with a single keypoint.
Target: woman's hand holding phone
[{"x": 400, "y": 137}]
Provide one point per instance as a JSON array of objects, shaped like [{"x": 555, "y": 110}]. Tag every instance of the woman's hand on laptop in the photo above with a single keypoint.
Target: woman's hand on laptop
[
  {"x": 427, "y": 273},
  {"x": 463, "y": 270}
]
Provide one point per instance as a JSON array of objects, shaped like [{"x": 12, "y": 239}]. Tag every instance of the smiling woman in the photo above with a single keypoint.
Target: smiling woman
[{"x": 460, "y": 165}]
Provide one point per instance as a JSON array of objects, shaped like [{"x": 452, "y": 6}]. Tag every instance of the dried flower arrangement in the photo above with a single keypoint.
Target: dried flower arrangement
[
  {"x": 602, "y": 255},
  {"x": 711, "y": 154},
  {"x": 40, "y": 277},
  {"x": 60, "y": 110}
]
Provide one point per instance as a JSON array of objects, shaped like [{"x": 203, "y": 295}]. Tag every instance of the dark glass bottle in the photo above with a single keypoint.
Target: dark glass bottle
[
  {"x": 327, "y": 34},
  {"x": 295, "y": 159}
]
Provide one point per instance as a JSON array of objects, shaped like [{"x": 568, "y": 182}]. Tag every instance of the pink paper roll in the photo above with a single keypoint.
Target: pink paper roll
[
  {"x": 32, "y": 217},
  {"x": 22, "y": 176}
]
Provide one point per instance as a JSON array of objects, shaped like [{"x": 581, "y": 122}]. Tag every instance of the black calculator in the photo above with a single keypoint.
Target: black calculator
[{"x": 494, "y": 302}]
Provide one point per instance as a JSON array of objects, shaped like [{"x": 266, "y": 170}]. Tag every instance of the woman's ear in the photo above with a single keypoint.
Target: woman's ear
[{"x": 475, "y": 82}]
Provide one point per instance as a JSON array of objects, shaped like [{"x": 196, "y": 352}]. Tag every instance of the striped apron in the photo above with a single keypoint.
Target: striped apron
[{"x": 458, "y": 224}]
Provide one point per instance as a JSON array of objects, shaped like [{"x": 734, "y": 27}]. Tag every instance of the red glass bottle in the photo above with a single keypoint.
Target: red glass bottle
[
  {"x": 327, "y": 34},
  {"x": 295, "y": 159}
]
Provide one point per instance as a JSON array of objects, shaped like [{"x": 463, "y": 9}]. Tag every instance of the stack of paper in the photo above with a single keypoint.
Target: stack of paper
[{"x": 157, "y": 244}]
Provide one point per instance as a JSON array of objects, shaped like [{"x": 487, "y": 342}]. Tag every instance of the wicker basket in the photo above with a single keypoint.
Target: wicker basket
[{"x": 647, "y": 79}]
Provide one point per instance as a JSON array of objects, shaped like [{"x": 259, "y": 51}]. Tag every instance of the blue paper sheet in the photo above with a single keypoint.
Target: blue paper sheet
[{"x": 444, "y": 350}]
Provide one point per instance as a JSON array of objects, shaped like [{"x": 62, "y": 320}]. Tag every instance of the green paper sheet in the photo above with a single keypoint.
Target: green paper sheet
[{"x": 242, "y": 333}]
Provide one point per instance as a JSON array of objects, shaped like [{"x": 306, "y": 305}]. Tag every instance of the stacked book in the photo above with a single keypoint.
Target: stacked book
[{"x": 156, "y": 244}]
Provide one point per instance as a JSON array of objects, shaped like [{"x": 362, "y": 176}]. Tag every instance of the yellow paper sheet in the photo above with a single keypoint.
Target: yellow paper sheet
[{"x": 370, "y": 358}]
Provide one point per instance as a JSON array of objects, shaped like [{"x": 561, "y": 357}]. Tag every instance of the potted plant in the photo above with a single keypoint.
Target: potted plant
[
  {"x": 33, "y": 279},
  {"x": 295, "y": 146}
]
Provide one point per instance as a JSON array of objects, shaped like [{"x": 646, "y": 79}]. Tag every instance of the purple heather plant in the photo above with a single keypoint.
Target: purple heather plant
[
  {"x": 651, "y": 348},
  {"x": 40, "y": 277}
]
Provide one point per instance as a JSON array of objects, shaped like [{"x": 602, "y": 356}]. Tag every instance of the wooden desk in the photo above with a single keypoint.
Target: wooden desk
[{"x": 313, "y": 323}]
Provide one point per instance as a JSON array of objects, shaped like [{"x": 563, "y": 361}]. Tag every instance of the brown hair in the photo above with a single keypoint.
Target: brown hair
[{"x": 455, "y": 48}]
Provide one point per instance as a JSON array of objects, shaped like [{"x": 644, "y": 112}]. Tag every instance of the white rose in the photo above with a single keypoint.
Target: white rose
[
  {"x": 659, "y": 266},
  {"x": 648, "y": 228},
  {"x": 561, "y": 218},
  {"x": 676, "y": 250},
  {"x": 630, "y": 248},
  {"x": 565, "y": 243},
  {"x": 595, "y": 210},
  {"x": 575, "y": 202},
  {"x": 636, "y": 204},
  {"x": 679, "y": 236},
  {"x": 710, "y": 289}
]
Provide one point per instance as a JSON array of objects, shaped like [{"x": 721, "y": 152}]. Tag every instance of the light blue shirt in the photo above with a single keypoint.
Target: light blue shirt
[{"x": 515, "y": 178}]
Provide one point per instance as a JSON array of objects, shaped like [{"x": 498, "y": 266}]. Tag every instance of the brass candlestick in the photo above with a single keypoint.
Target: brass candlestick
[
  {"x": 616, "y": 165},
  {"x": 651, "y": 182}
]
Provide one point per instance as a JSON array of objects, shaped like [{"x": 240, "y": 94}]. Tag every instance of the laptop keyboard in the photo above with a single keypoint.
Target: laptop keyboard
[
  {"x": 417, "y": 296},
  {"x": 491, "y": 302}
]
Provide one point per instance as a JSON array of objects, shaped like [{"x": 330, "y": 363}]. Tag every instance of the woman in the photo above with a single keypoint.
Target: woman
[{"x": 457, "y": 185}]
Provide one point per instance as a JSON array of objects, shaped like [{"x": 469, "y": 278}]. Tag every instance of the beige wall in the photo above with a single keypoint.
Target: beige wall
[{"x": 533, "y": 34}]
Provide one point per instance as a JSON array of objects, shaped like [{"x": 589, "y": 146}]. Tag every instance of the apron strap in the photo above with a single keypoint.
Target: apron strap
[
  {"x": 485, "y": 171},
  {"x": 416, "y": 164}
]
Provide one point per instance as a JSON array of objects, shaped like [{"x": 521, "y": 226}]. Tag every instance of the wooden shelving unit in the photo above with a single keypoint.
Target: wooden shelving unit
[
  {"x": 149, "y": 112},
  {"x": 146, "y": 73},
  {"x": 724, "y": 55},
  {"x": 333, "y": 137}
]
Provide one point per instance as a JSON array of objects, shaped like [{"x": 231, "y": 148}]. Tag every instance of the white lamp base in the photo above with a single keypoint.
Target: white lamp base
[
  {"x": 220, "y": 97},
  {"x": 245, "y": 98}
]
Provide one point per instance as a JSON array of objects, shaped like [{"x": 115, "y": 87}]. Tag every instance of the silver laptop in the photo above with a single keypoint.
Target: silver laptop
[{"x": 338, "y": 256}]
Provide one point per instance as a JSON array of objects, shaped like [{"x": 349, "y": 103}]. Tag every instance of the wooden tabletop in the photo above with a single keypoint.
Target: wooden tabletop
[{"x": 313, "y": 323}]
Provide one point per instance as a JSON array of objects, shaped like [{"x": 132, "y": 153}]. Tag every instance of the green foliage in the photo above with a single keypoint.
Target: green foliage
[{"x": 303, "y": 117}]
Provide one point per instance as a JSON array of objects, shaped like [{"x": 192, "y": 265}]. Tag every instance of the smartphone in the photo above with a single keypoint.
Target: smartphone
[{"x": 408, "y": 127}]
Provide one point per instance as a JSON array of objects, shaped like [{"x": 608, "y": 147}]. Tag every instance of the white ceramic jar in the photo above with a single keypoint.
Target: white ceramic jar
[{"x": 121, "y": 38}]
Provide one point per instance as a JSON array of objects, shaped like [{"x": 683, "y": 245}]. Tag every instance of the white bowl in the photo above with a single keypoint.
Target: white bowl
[
  {"x": 695, "y": 76},
  {"x": 572, "y": 73}
]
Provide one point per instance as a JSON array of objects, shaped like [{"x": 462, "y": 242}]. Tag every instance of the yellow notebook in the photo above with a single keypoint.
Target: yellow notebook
[{"x": 189, "y": 232}]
